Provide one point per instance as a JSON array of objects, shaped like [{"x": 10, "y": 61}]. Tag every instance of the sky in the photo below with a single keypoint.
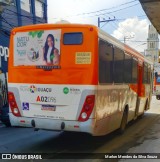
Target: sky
[{"x": 125, "y": 18}]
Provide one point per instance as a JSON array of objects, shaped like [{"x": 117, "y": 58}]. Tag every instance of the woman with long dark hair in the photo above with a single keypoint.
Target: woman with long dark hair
[{"x": 51, "y": 54}]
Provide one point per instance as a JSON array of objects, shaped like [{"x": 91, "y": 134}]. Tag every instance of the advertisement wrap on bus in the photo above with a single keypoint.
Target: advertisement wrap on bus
[
  {"x": 30, "y": 48},
  {"x": 72, "y": 77}
]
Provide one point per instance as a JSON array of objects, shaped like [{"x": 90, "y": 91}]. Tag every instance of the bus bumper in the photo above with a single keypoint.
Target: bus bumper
[{"x": 52, "y": 124}]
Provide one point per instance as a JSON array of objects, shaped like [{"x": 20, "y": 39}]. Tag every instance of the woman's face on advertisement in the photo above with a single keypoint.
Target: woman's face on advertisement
[{"x": 50, "y": 42}]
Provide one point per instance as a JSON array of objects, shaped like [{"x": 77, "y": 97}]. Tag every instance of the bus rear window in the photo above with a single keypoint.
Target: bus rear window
[{"x": 72, "y": 38}]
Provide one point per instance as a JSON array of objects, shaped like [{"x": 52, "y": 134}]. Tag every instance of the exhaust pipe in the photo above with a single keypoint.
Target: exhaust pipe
[
  {"x": 62, "y": 125},
  {"x": 34, "y": 125}
]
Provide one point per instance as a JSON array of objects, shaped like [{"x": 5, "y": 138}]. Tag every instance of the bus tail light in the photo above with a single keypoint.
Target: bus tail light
[
  {"x": 87, "y": 108},
  {"x": 13, "y": 104}
]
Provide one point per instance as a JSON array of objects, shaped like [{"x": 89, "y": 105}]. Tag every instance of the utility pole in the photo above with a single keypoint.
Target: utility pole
[
  {"x": 102, "y": 21},
  {"x": 126, "y": 38}
]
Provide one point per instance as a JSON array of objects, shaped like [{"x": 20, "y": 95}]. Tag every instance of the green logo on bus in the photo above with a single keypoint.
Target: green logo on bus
[{"x": 66, "y": 90}]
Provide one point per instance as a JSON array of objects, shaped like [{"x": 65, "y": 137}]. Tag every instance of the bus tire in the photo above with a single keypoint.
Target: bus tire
[
  {"x": 158, "y": 97},
  {"x": 123, "y": 121}
]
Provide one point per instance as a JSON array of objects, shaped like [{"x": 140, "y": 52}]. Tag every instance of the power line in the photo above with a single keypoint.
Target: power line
[
  {"x": 118, "y": 9},
  {"x": 119, "y": 5},
  {"x": 109, "y": 13},
  {"x": 88, "y": 13},
  {"x": 142, "y": 41},
  {"x": 122, "y": 19},
  {"x": 114, "y": 24},
  {"x": 115, "y": 10},
  {"x": 108, "y": 8}
]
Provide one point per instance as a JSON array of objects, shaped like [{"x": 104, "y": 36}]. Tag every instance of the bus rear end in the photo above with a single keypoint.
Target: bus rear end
[{"x": 53, "y": 76}]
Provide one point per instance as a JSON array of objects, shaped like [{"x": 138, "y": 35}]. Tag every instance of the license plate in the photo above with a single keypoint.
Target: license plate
[{"x": 48, "y": 108}]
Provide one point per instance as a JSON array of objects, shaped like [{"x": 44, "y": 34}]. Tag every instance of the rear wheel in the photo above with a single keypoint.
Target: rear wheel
[
  {"x": 123, "y": 122},
  {"x": 158, "y": 97}
]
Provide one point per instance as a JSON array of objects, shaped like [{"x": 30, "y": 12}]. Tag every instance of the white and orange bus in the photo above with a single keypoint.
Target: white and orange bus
[{"x": 72, "y": 77}]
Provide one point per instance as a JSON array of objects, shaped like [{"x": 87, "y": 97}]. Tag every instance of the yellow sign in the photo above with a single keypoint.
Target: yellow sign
[{"x": 83, "y": 57}]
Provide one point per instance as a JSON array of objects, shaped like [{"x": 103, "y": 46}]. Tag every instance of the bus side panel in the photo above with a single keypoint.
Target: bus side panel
[
  {"x": 110, "y": 103},
  {"x": 145, "y": 91},
  {"x": 132, "y": 101}
]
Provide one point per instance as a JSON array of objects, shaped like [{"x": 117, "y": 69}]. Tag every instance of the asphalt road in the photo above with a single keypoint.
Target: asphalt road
[{"x": 141, "y": 136}]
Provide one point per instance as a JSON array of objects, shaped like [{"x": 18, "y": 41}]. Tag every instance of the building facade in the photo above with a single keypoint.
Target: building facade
[
  {"x": 15, "y": 13},
  {"x": 152, "y": 51}
]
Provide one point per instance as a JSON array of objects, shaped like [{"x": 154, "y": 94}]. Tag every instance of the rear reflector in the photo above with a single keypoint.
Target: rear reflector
[
  {"x": 22, "y": 121},
  {"x": 76, "y": 126}
]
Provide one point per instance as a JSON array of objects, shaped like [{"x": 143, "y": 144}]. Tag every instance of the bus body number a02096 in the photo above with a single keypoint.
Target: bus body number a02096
[{"x": 46, "y": 99}]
